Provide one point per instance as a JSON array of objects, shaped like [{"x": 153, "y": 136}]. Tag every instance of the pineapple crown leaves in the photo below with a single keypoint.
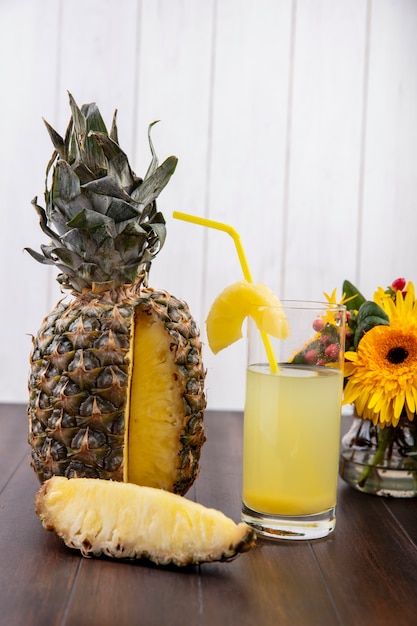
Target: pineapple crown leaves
[{"x": 100, "y": 217}]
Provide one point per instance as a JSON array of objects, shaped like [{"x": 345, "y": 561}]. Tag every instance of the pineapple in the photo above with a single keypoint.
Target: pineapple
[
  {"x": 234, "y": 304},
  {"x": 129, "y": 521},
  {"x": 116, "y": 386}
]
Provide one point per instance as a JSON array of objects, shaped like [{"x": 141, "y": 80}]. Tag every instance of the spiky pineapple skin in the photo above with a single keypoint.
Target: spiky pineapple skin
[{"x": 79, "y": 385}]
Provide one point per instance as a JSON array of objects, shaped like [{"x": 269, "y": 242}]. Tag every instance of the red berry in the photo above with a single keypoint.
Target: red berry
[
  {"x": 318, "y": 325},
  {"x": 311, "y": 356},
  {"x": 325, "y": 340},
  {"x": 332, "y": 352},
  {"x": 398, "y": 284}
]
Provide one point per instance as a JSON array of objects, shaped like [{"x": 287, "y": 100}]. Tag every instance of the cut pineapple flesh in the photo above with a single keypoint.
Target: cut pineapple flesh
[
  {"x": 129, "y": 521},
  {"x": 234, "y": 304},
  {"x": 156, "y": 402},
  {"x": 89, "y": 365}
]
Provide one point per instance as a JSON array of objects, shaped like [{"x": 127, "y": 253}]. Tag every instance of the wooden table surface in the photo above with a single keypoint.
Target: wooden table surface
[{"x": 364, "y": 574}]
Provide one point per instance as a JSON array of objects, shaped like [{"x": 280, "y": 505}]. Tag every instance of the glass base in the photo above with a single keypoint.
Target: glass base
[
  {"x": 300, "y": 527},
  {"x": 380, "y": 481},
  {"x": 381, "y": 461}
]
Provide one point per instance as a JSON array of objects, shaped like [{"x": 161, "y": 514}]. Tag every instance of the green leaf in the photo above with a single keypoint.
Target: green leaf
[
  {"x": 151, "y": 187},
  {"x": 94, "y": 121},
  {"x": 154, "y": 163},
  {"x": 156, "y": 235},
  {"x": 66, "y": 184},
  {"x": 69, "y": 258},
  {"x": 118, "y": 164},
  {"x": 90, "y": 220},
  {"x": 84, "y": 173},
  {"x": 108, "y": 186},
  {"x": 44, "y": 223},
  {"x": 371, "y": 309},
  {"x": 121, "y": 211},
  {"x": 369, "y": 315},
  {"x": 85, "y": 120},
  {"x": 113, "y": 130},
  {"x": 38, "y": 257},
  {"x": 131, "y": 247},
  {"x": 81, "y": 242},
  {"x": 352, "y": 292},
  {"x": 80, "y": 125},
  {"x": 57, "y": 141},
  {"x": 66, "y": 200},
  {"x": 127, "y": 273}
]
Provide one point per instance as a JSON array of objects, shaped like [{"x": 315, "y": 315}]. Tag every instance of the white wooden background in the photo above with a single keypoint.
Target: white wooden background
[{"x": 293, "y": 120}]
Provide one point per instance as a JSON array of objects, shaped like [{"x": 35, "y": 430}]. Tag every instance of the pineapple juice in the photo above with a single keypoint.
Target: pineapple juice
[{"x": 291, "y": 439}]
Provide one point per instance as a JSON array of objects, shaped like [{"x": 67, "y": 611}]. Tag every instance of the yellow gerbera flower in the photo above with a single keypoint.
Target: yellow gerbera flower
[{"x": 382, "y": 373}]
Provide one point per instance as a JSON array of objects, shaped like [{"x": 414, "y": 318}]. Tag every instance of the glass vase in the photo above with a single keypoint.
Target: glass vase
[{"x": 381, "y": 461}]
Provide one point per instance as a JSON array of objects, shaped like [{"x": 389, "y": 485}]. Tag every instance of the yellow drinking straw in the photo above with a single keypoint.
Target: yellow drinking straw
[{"x": 203, "y": 221}]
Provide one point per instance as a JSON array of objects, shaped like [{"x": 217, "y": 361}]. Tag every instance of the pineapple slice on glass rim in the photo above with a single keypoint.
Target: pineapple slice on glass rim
[
  {"x": 234, "y": 304},
  {"x": 116, "y": 387}
]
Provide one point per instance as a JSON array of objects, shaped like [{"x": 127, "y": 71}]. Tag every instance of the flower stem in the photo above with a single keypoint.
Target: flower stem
[{"x": 384, "y": 439}]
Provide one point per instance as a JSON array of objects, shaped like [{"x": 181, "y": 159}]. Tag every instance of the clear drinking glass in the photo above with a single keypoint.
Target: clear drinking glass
[{"x": 292, "y": 424}]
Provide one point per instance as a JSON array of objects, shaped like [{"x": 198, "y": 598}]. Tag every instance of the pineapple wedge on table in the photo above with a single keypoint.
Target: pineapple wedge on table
[
  {"x": 128, "y": 521},
  {"x": 116, "y": 388}
]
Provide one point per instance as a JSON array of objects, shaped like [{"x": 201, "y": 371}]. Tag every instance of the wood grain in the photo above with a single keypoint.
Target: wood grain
[
  {"x": 363, "y": 574},
  {"x": 14, "y": 448}
]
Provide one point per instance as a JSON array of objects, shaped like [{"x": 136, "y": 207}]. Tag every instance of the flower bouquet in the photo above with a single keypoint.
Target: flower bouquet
[{"x": 379, "y": 453}]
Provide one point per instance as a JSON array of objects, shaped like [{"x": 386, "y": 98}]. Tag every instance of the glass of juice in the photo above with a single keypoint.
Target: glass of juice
[{"x": 292, "y": 423}]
